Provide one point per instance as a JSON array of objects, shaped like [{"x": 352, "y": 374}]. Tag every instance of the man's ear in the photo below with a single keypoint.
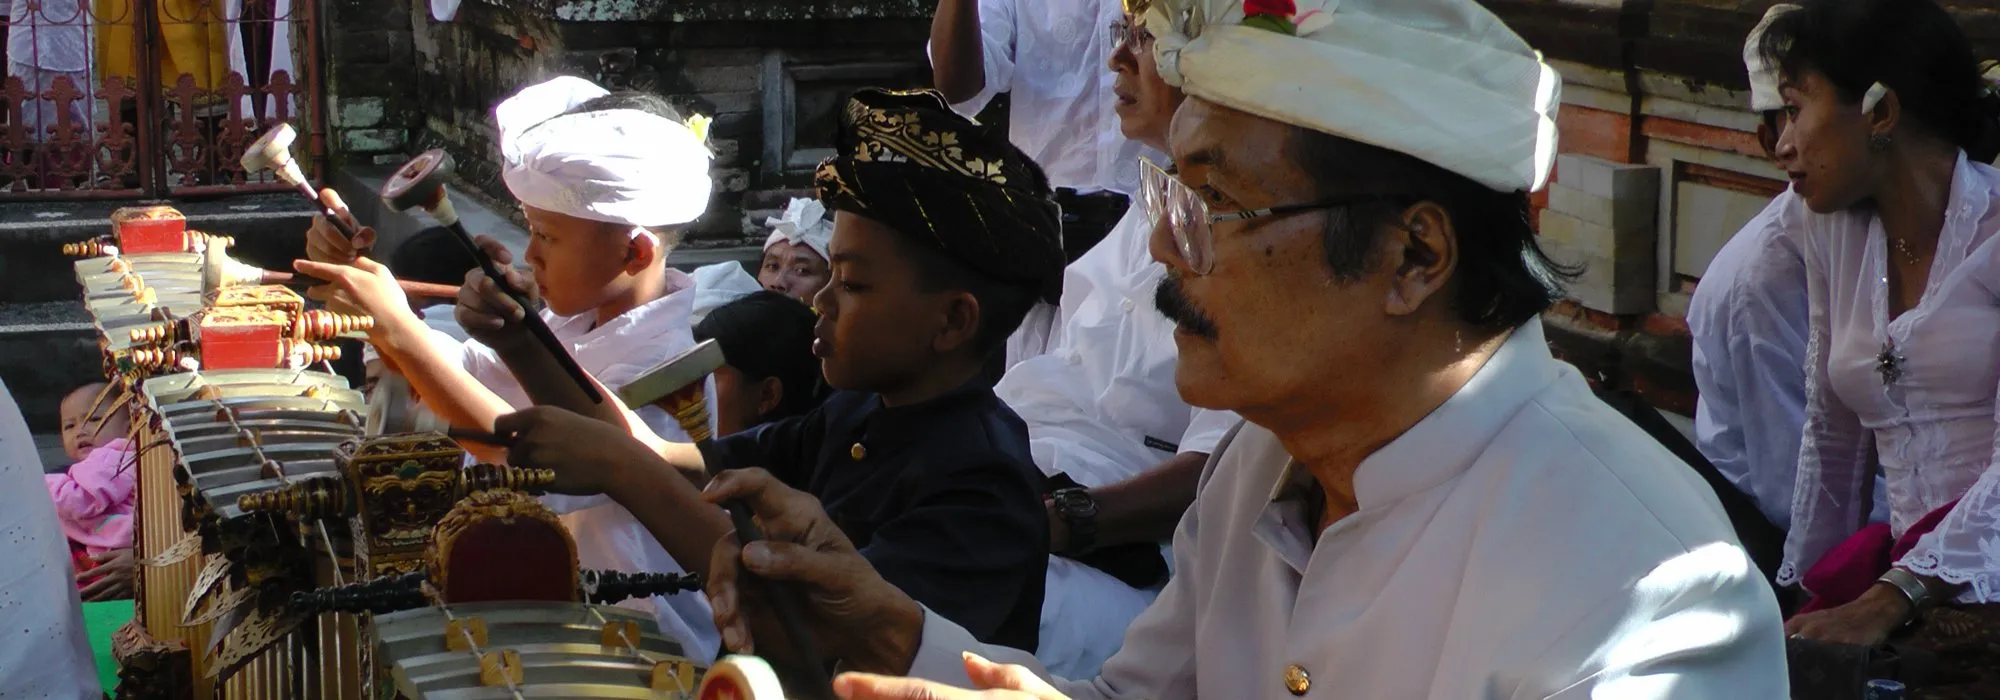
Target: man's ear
[
  {"x": 962, "y": 317},
  {"x": 1422, "y": 249},
  {"x": 770, "y": 393}
]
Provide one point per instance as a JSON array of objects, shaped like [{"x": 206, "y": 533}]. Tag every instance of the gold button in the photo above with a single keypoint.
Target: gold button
[
  {"x": 1296, "y": 680},
  {"x": 857, "y": 452}
]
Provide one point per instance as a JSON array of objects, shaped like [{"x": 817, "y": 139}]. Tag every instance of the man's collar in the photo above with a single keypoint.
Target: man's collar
[{"x": 1447, "y": 441}]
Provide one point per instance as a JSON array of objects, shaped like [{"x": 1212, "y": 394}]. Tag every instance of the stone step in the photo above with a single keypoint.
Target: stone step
[
  {"x": 269, "y": 230},
  {"x": 46, "y": 349}
]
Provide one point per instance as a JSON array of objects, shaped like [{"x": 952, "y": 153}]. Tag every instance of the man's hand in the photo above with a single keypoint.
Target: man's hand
[
  {"x": 365, "y": 287},
  {"x": 1866, "y": 621},
  {"x": 488, "y": 314},
  {"x": 854, "y": 614},
  {"x": 115, "y": 568},
  {"x": 324, "y": 242},
  {"x": 587, "y": 454},
  {"x": 1000, "y": 681}
]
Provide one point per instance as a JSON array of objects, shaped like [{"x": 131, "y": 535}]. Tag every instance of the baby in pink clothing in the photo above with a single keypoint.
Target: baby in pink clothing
[{"x": 94, "y": 496}]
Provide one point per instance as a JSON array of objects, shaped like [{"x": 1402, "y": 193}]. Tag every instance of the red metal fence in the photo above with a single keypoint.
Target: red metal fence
[{"x": 152, "y": 98}]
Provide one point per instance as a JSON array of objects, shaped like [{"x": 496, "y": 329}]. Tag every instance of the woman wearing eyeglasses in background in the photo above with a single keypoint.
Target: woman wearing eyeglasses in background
[{"x": 1889, "y": 128}]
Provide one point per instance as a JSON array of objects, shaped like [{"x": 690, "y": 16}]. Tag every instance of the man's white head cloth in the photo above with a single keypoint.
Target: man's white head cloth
[
  {"x": 622, "y": 166},
  {"x": 804, "y": 223},
  {"x": 1441, "y": 80},
  {"x": 1763, "y": 76}
]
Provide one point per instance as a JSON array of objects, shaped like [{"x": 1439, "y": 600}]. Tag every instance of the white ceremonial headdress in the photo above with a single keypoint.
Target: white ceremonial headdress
[
  {"x": 805, "y": 223},
  {"x": 1763, "y": 76},
  {"x": 1441, "y": 80},
  {"x": 718, "y": 284},
  {"x": 622, "y": 166}
]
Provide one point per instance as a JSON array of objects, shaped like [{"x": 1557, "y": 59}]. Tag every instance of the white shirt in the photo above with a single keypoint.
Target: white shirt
[
  {"x": 1932, "y": 430},
  {"x": 1101, "y": 406},
  {"x": 45, "y": 652},
  {"x": 1748, "y": 319},
  {"x": 1052, "y": 58},
  {"x": 607, "y": 535},
  {"x": 1522, "y": 541},
  {"x": 51, "y": 35}
]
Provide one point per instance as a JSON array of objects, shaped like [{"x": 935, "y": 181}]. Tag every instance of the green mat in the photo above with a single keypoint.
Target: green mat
[{"x": 101, "y": 620}]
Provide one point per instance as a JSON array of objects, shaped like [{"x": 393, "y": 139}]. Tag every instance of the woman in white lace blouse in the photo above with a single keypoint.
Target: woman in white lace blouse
[{"x": 1903, "y": 267}]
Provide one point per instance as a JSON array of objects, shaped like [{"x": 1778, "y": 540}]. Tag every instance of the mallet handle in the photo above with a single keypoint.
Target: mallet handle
[{"x": 536, "y": 326}]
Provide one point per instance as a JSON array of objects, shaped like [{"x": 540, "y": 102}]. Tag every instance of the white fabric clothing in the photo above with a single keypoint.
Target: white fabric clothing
[
  {"x": 1522, "y": 541},
  {"x": 46, "y": 651},
  {"x": 444, "y": 10},
  {"x": 55, "y": 37},
  {"x": 1748, "y": 320},
  {"x": 1442, "y": 80},
  {"x": 46, "y": 42},
  {"x": 1050, "y": 57},
  {"x": 622, "y": 166},
  {"x": 1763, "y": 76},
  {"x": 607, "y": 535},
  {"x": 1101, "y": 406},
  {"x": 804, "y": 222},
  {"x": 718, "y": 284},
  {"x": 1932, "y": 430}
]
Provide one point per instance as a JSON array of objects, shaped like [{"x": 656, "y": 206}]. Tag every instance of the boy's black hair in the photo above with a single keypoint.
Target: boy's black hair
[{"x": 769, "y": 334}]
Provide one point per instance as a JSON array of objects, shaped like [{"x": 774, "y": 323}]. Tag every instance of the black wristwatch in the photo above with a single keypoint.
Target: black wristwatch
[{"x": 1078, "y": 510}]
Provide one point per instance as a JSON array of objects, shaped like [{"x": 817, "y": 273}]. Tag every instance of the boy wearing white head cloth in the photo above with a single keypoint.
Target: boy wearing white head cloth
[
  {"x": 1423, "y": 502},
  {"x": 606, "y": 182}
]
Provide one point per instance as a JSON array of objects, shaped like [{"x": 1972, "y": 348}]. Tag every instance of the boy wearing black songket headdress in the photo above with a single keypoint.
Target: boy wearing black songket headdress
[{"x": 945, "y": 235}]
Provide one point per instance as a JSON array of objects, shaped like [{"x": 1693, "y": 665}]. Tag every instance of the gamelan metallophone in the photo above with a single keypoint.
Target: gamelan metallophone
[{"x": 289, "y": 548}]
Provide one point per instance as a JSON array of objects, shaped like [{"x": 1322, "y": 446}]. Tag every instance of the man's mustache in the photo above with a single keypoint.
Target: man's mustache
[{"x": 1173, "y": 303}]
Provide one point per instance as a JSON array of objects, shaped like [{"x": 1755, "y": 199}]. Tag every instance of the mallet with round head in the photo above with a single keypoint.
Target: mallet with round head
[
  {"x": 273, "y": 152},
  {"x": 419, "y": 184}
]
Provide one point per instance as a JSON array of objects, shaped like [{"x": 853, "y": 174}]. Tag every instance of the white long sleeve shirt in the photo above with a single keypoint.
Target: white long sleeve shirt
[
  {"x": 607, "y": 535},
  {"x": 1932, "y": 427},
  {"x": 1522, "y": 541},
  {"x": 1099, "y": 399},
  {"x": 1051, "y": 58}
]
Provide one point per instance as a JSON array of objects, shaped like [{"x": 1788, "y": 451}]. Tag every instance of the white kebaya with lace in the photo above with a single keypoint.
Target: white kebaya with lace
[{"x": 1913, "y": 391}]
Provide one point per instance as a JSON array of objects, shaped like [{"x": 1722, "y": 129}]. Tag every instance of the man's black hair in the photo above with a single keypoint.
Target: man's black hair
[
  {"x": 1504, "y": 279},
  {"x": 769, "y": 334},
  {"x": 433, "y": 255}
]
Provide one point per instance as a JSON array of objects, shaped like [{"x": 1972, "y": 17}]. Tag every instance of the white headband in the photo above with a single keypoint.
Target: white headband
[
  {"x": 1440, "y": 80},
  {"x": 620, "y": 166},
  {"x": 1763, "y": 76},
  {"x": 804, "y": 223}
]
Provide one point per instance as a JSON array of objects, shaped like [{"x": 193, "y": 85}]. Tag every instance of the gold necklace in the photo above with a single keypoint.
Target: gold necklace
[{"x": 1903, "y": 246}]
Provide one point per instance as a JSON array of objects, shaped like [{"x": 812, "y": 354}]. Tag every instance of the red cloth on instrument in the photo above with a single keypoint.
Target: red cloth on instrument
[{"x": 1850, "y": 569}]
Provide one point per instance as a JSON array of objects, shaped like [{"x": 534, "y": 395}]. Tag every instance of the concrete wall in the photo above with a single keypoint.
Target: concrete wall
[{"x": 371, "y": 96}]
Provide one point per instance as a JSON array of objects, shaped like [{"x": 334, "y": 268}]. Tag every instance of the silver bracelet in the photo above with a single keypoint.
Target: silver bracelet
[{"x": 1913, "y": 589}]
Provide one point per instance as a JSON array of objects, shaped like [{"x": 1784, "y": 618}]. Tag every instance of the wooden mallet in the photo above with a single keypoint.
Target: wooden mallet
[
  {"x": 273, "y": 152},
  {"x": 419, "y": 184}
]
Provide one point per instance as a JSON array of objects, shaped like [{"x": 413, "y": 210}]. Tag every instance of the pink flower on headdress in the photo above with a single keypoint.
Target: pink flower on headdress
[
  {"x": 1283, "y": 9},
  {"x": 1282, "y": 16}
]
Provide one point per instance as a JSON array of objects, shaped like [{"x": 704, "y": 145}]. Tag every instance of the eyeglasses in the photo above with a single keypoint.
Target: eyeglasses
[
  {"x": 1124, "y": 32},
  {"x": 1192, "y": 224}
]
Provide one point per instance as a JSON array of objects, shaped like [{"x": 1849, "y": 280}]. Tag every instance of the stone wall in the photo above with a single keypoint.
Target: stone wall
[
  {"x": 1661, "y": 166},
  {"x": 769, "y": 77},
  {"x": 371, "y": 99}
]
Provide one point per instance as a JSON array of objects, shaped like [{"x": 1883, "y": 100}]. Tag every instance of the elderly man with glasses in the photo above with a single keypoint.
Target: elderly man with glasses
[{"x": 1423, "y": 502}]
